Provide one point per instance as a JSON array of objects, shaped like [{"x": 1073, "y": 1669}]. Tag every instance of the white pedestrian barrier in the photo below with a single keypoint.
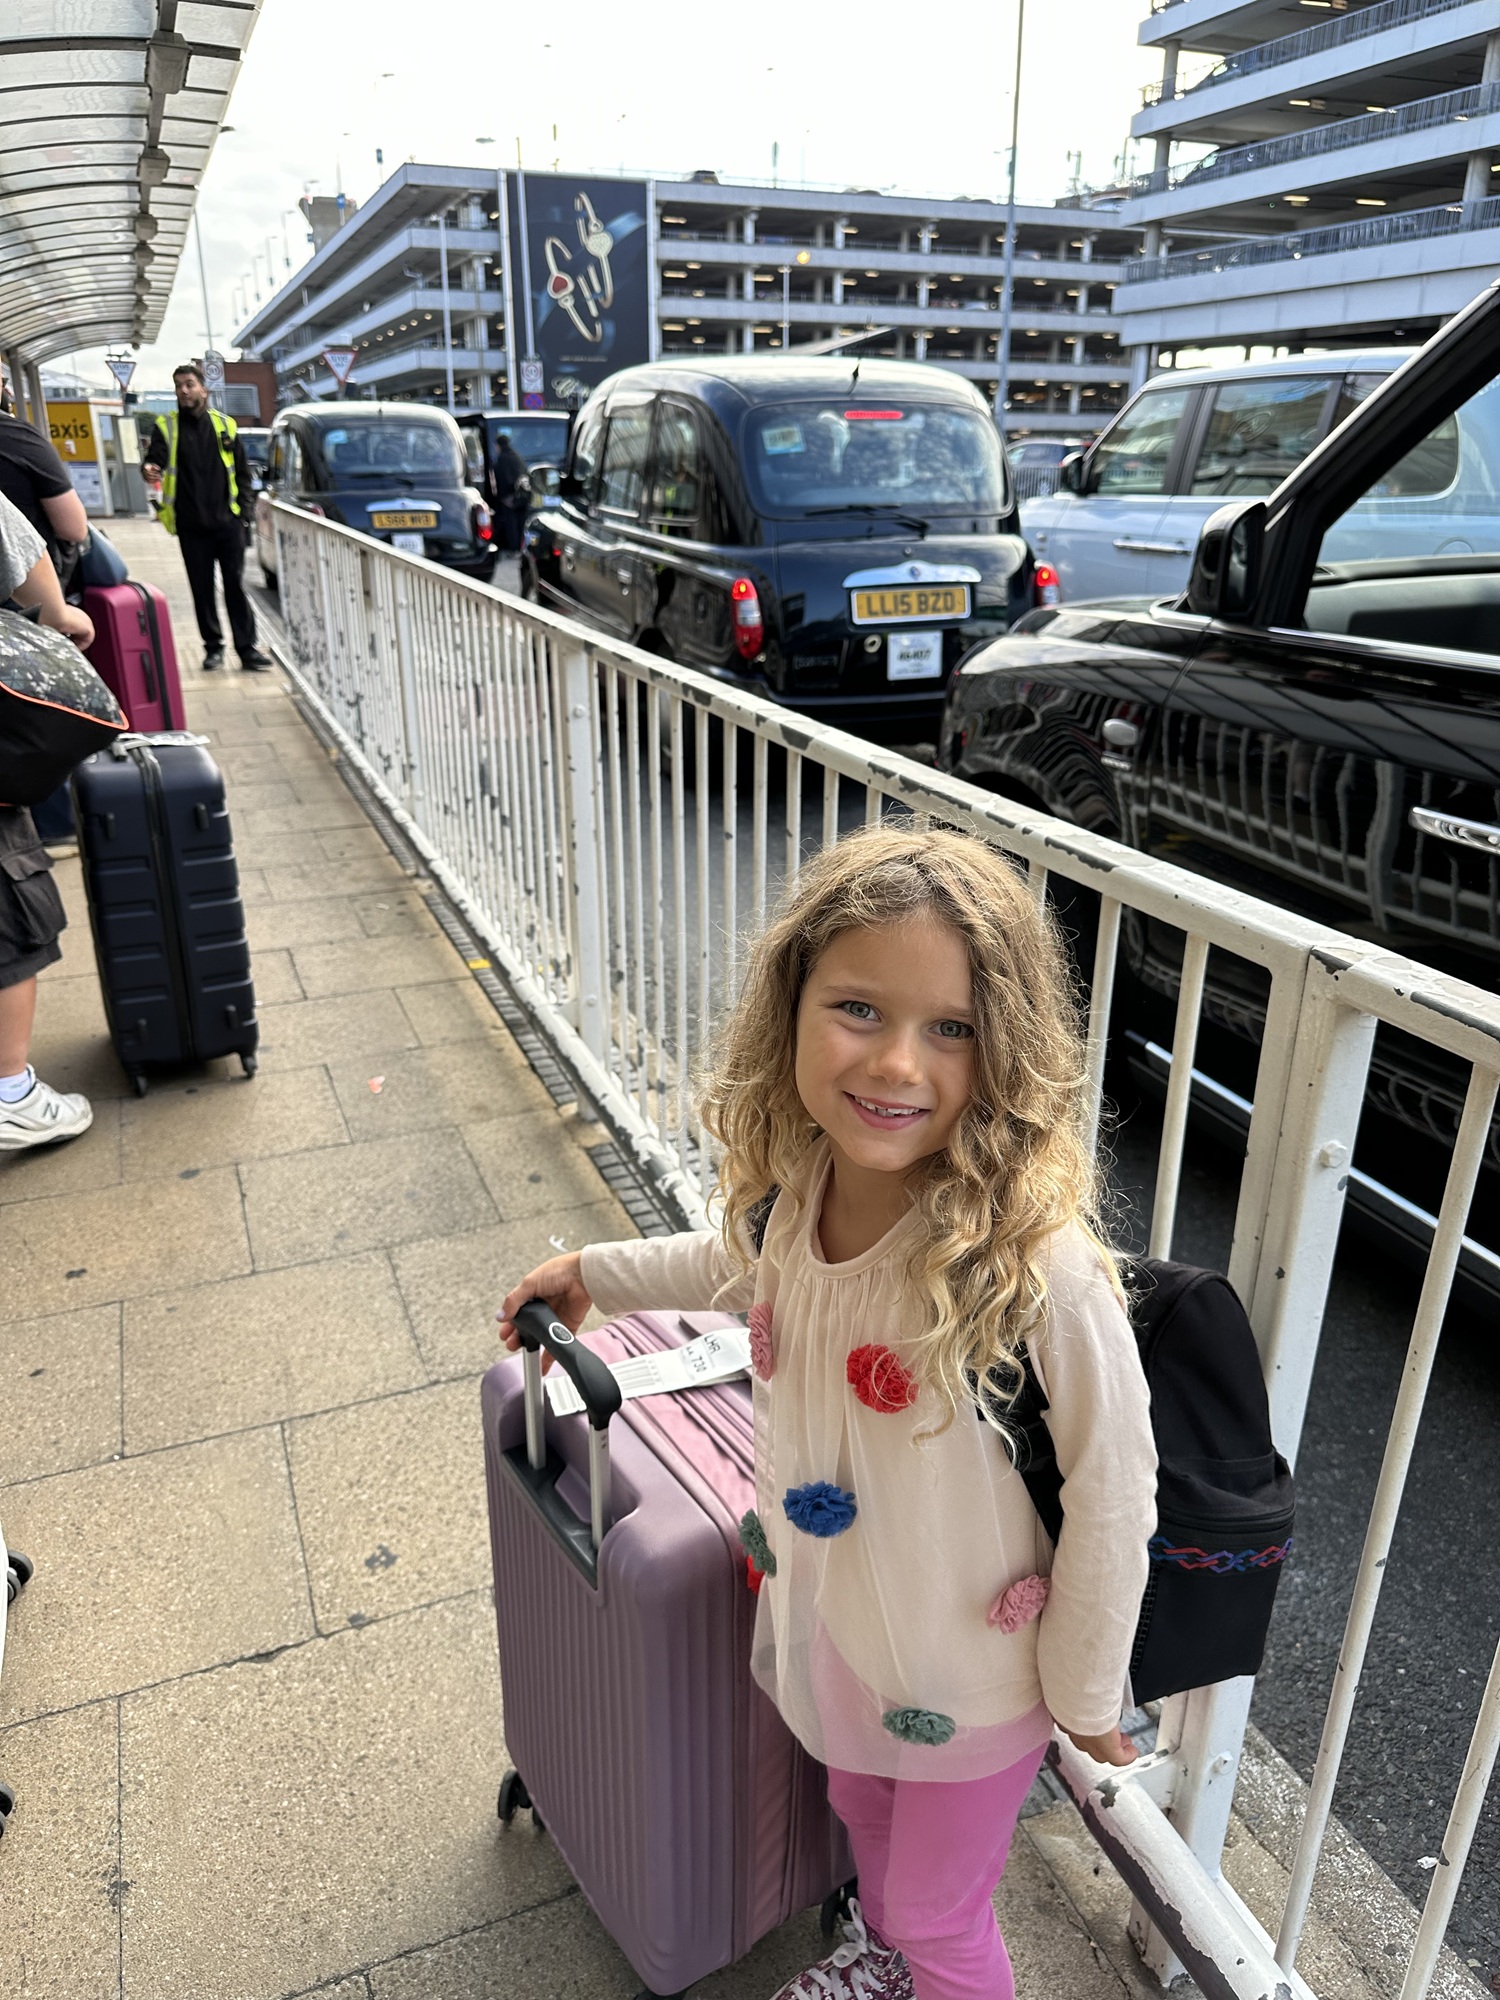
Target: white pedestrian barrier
[{"x": 609, "y": 824}]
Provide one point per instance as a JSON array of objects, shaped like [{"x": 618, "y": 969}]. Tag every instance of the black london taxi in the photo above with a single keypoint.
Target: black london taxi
[
  {"x": 835, "y": 534},
  {"x": 1315, "y": 720},
  {"x": 395, "y": 471}
]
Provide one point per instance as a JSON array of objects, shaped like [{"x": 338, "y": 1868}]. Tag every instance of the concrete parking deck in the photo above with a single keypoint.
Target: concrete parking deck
[{"x": 250, "y": 1701}]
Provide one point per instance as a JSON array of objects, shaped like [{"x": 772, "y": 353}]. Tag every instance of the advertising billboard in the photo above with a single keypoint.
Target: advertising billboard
[{"x": 579, "y": 283}]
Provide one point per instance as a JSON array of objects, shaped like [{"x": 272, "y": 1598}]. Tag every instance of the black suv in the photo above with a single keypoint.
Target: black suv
[
  {"x": 1317, "y": 720},
  {"x": 835, "y": 534},
  {"x": 393, "y": 470}
]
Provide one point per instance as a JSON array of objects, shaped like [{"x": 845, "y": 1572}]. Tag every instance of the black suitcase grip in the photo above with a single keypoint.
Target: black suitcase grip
[{"x": 589, "y": 1375}]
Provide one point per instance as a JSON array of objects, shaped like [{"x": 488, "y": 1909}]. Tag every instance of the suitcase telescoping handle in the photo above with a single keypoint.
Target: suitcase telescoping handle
[{"x": 591, "y": 1378}]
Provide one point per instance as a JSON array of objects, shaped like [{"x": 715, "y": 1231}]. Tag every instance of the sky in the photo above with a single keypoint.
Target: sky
[{"x": 852, "y": 95}]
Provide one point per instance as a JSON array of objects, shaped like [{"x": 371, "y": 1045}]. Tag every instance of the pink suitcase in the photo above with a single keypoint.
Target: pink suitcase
[
  {"x": 690, "y": 1817},
  {"x": 133, "y": 653}
]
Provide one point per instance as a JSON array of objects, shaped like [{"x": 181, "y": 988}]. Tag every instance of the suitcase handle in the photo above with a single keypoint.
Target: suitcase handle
[{"x": 594, "y": 1382}]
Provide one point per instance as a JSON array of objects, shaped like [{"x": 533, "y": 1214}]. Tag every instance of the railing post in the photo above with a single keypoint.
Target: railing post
[
  {"x": 585, "y": 874},
  {"x": 1204, "y": 1731},
  {"x": 410, "y": 722}
]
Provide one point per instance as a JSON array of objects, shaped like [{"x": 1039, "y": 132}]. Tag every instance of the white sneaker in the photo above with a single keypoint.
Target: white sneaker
[
  {"x": 863, "y": 1968},
  {"x": 42, "y": 1115}
]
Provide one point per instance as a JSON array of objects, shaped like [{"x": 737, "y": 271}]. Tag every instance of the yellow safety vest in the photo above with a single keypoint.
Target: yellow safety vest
[{"x": 225, "y": 432}]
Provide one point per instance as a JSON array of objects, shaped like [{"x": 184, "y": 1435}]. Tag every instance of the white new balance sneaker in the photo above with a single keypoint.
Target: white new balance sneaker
[
  {"x": 863, "y": 1968},
  {"x": 42, "y": 1115}
]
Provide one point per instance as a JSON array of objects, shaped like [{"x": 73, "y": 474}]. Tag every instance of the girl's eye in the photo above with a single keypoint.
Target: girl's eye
[
  {"x": 955, "y": 1031},
  {"x": 860, "y": 1009}
]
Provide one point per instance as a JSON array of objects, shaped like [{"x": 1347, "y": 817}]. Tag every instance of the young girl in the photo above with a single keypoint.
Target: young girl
[{"x": 903, "y": 1076}]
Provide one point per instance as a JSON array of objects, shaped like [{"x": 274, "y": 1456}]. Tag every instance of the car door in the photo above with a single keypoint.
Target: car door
[
  {"x": 686, "y": 586},
  {"x": 561, "y": 551},
  {"x": 608, "y": 564},
  {"x": 1245, "y": 442},
  {"x": 1106, "y": 541}
]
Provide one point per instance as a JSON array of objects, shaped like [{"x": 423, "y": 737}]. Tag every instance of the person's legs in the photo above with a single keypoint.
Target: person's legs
[
  {"x": 17, "y": 1014},
  {"x": 230, "y": 549},
  {"x": 32, "y": 1113},
  {"x": 865, "y": 1805},
  {"x": 198, "y": 561},
  {"x": 948, "y": 1845}
]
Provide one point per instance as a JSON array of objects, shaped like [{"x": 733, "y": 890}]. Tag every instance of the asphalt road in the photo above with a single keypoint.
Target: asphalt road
[{"x": 1439, "y": 1615}]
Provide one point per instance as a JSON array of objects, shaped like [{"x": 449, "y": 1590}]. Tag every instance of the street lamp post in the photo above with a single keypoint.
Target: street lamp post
[
  {"x": 442, "y": 224},
  {"x": 1002, "y": 385},
  {"x": 786, "y": 307}
]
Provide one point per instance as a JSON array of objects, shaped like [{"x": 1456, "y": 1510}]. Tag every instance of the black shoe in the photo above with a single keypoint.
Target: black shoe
[
  {"x": 256, "y": 662},
  {"x": 213, "y": 659}
]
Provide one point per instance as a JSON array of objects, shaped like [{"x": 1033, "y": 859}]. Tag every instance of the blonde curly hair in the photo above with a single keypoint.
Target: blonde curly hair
[{"x": 1018, "y": 1166}]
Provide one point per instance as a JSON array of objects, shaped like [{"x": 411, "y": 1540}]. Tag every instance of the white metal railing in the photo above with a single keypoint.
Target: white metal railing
[{"x": 611, "y": 825}]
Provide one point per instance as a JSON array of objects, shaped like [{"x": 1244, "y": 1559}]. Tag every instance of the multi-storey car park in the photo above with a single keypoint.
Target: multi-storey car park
[
  {"x": 733, "y": 268},
  {"x": 1343, "y": 154}
]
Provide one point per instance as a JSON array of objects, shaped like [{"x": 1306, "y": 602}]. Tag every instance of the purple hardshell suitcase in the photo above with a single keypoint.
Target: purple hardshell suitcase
[
  {"x": 134, "y": 653},
  {"x": 691, "y": 1818}
]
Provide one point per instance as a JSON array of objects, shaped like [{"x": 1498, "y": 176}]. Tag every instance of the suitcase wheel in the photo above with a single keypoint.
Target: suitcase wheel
[
  {"x": 513, "y": 1797},
  {"x": 142, "y": 1084},
  {"x": 249, "y": 1065},
  {"x": 18, "y": 1573},
  {"x": 7, "y": 1804}
]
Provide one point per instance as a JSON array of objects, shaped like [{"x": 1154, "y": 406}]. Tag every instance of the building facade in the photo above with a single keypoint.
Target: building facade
[
  {"x": 1335, "y": 164},
  {"x": 417, "y": 283}
]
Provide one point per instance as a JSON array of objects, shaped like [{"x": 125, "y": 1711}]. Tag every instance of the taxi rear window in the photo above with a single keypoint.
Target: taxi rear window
[{"x": 831, "y": 453}]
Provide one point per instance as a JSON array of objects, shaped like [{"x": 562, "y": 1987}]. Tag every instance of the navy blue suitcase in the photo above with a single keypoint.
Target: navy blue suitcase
[{"x": 164, "y": 903}]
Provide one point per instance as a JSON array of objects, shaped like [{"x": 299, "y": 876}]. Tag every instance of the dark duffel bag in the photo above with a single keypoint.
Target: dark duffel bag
[{"x": 54, "y": 710}]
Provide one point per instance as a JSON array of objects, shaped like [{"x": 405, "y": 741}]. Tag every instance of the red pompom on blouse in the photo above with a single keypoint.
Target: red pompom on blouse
[{"x": 880, "y": 1381}]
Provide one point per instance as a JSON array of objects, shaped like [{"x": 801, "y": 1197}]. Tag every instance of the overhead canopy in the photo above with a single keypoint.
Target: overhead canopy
[{"x": 108, "y": 112}]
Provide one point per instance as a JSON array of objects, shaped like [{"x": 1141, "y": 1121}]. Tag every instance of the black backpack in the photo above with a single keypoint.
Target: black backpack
[{"x": 1224, "y": 1494}]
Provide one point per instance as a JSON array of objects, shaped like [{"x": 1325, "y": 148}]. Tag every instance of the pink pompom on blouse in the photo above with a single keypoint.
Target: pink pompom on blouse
[
  {"x": 762, "y": 1355},
  {"x": 1017, "y": 1606}
]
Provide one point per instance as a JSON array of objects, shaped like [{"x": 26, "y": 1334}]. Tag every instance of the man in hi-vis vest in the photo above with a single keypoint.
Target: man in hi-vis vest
[{"x": 196, "y": 461}]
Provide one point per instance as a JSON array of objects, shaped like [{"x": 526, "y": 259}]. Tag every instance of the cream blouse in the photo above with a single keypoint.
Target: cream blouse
[{"x": 904, "y": 1628}]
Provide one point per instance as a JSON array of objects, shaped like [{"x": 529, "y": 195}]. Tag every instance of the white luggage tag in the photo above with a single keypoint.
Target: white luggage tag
[{"x": 712, "y": 1357}]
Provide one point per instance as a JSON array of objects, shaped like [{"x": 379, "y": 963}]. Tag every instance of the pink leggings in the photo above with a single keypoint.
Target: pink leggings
[{"x": 929, "y": 1857}]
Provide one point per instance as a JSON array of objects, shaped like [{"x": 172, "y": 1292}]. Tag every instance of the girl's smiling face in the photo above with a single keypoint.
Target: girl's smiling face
[{"x": 885, "y": 1043}]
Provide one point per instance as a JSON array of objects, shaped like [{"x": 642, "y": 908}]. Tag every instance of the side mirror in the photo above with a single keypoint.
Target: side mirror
[
  {"x": 1227, "y": 561},
  {"x": 1073, "y": 473},
  {"x": 547, "y": 483}
]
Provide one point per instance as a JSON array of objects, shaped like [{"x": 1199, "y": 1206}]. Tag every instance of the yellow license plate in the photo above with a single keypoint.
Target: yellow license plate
[
  {"x": 404, "y": 517},
  {"x": 897, "y": 603}
]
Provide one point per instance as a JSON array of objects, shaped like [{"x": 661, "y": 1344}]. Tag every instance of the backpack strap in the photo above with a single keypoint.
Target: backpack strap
[{"x": 758, "y": 1221}]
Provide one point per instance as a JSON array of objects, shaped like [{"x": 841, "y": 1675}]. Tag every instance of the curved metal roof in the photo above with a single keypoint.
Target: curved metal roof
[{"x": 108, "y": 112}]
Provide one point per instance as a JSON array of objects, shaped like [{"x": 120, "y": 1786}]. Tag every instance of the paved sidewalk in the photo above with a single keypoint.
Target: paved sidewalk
[{"x": 250, "y": 1701}]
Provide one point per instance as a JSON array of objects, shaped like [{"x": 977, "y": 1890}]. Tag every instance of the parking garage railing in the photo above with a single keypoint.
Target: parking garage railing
[
  {"x": 1423, "y": 114},
  {"x": 611, "y": 825},
  {"x": 1411, "y": 225},
  {"x": 1334, "y": 34}
]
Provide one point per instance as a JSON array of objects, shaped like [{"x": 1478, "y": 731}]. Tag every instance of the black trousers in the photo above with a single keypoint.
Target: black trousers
[{"x": 201, "y": 549}]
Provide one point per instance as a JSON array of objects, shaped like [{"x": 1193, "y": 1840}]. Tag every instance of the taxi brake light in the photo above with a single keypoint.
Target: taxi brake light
[
  {"x": 484, "y": 527},
  {"x": 1046, "y": 585},
  {"x": 874, "y": 416},
  {"x": 749, "y": 626}
]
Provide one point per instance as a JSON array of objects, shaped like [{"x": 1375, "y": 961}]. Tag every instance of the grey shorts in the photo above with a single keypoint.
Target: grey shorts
[{"x": 31, "y": 911}]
